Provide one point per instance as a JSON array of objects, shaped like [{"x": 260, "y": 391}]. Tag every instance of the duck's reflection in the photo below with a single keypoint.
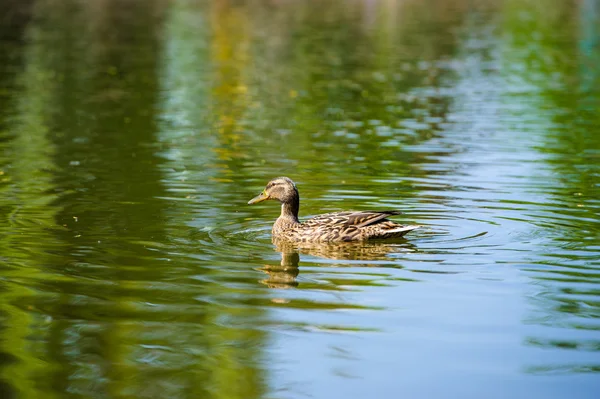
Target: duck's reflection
[{"x": 284, "y": 275}]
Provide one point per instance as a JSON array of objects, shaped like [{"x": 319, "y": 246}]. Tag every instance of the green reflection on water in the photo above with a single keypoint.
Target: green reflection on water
[{"x": 133, "y": 133}]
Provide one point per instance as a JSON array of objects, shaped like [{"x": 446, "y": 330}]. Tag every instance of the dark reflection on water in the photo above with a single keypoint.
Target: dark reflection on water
[
  {"x": 368, "y": 254},
  {"x": 132, "y": 133}
]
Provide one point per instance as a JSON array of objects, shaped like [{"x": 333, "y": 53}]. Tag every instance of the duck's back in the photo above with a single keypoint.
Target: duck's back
[{"x": 347, "y": 226}]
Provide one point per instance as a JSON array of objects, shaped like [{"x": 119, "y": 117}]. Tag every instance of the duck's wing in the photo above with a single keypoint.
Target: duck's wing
[
  {"x": 367, "y": 218},
  {"x": 356, "y": 219},
  {"x": 351, "y": 226}
]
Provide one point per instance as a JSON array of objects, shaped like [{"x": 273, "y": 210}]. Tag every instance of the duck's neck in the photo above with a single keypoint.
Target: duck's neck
[{"x": 289, "y": 210}]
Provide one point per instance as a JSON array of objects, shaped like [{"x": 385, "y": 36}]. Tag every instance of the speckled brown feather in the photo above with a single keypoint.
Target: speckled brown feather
[{"x": 343, "y": 226}]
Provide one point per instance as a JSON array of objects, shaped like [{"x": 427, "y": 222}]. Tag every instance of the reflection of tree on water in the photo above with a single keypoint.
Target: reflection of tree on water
[{"x": 284, "y": 275}]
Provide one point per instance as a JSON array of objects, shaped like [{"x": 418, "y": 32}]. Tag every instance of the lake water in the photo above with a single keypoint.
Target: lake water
[{"x": 133, "y": 133}]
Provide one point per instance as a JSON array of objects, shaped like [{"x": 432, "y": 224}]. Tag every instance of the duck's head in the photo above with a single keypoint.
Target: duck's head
[{"x": 281, "y": 189}]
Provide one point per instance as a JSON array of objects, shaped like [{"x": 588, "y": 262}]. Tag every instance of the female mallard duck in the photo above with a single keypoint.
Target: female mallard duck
[{"x": 330, "y": 227}]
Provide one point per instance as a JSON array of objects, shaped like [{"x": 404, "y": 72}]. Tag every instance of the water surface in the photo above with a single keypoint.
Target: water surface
[{"x": 133, "y": 133}]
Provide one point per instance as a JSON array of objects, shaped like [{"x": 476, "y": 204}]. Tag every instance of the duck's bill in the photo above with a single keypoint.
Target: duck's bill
[{"x": 259, "y": 198}]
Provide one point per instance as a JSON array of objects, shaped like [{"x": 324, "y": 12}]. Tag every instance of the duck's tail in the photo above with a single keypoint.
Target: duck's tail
[{"x": 398, "y": 231}]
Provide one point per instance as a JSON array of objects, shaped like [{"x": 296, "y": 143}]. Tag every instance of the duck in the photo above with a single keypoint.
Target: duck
[{"x": 329, "y": 227}]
